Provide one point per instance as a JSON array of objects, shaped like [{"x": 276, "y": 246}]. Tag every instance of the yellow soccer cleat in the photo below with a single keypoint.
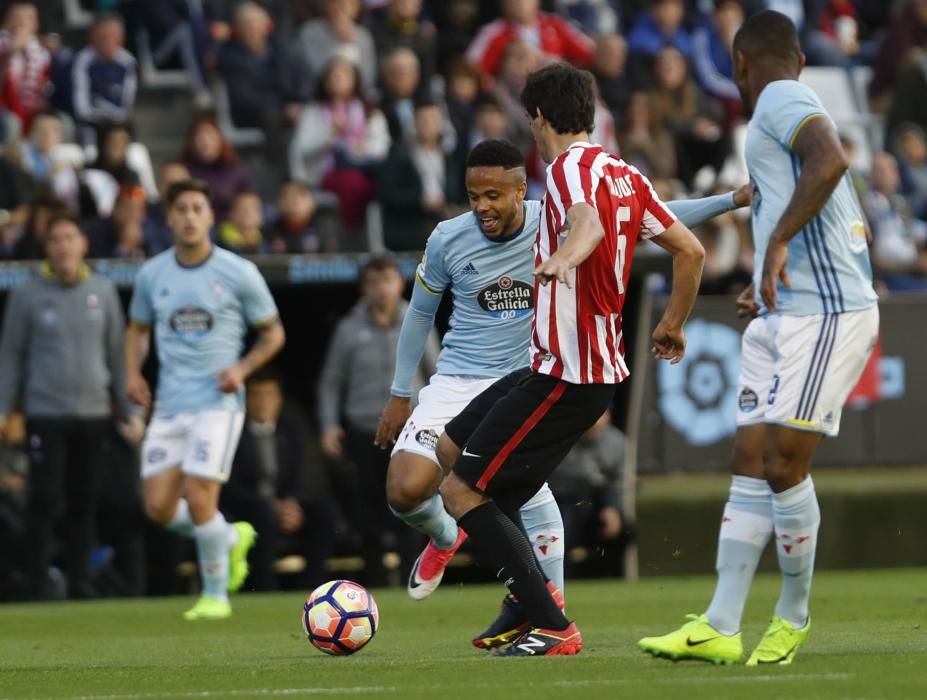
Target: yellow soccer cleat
[
  {"x": 209, "y": 608},
  {"x": 779, "y": 643},
  {"x": 238, "y": 555},
  {"x": 695, "y": 640}
]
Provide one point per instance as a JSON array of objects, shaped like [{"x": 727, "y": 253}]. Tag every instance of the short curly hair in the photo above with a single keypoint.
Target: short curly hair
[
  {"x": 495, "y": 153},
  {"x": 564, "y": 95}
]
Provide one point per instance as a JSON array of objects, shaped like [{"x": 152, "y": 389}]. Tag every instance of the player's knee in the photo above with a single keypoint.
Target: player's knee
[
  {"x": 410, "y": 481},
  {"x": 159, "y": 511},
  {"x": 783, "y": 473},
  {"x": 447, "y": 452},
  {"x": 458, "y": 497},
  {"x": 404, "y": 494}
]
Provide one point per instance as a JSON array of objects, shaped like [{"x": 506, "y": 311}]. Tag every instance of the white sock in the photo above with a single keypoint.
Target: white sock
[
  {"x": 797, "y": 517},
  {"x": 746, "y": 526},
  {"x": 212, "y": 546},
  {"x": 182, "y": 522},
  {"x": 432, "y": 520},
  {"x": 544, "y": 526}
]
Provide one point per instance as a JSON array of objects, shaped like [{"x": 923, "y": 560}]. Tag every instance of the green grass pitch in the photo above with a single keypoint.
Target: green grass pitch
[{"x": 869, "y": 640}]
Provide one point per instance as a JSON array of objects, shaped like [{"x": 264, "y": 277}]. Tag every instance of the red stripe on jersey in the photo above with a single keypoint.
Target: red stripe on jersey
[
  {"x": 585, "y": 174},
  {"x": 553, "y": 334},
  {"x": 520, "y": 434}
]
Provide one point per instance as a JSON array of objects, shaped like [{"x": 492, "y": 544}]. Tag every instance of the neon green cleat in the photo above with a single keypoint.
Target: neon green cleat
[
  {"x": 779, "y": 643},
  {"x": 695, "y": 640},
  {"x": 209, "y": 608},
  {"x": 238, "y": 555}
]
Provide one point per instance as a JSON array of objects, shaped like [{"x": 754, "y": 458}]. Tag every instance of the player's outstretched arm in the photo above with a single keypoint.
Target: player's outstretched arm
[
  {"x": 695, "y": 212},
  {"x": 584, "y": 232},
  {"x": 823, "y": 163},
  {"x": 270, "y": 340},
  {"x": 413, "y": 338},
  {"x": 138, "y": 342},
  {"x": 669, "y": 340}
]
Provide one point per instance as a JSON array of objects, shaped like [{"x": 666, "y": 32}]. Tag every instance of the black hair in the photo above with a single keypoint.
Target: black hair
[
  {"x": 189, "y": 185},
  {"x": 495, "y": 153},
  {"x": 63, "y": 217},
  {"x": 564, "y": 95},
  {"x": 378, "y": 263},
  {"x": 768, "y": 34}
]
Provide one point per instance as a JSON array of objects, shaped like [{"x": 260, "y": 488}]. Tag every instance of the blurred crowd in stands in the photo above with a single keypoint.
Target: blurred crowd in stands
[
  {"x": 343, "y": 125},
  {"x": 317, "y": 122}
]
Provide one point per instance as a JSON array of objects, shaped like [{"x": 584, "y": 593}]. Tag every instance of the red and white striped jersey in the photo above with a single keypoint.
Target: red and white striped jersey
[{"x": 577, "y": 330}]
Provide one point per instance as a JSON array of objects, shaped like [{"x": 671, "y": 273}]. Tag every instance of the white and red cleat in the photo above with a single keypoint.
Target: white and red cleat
[{"x": 428, "y": 569}]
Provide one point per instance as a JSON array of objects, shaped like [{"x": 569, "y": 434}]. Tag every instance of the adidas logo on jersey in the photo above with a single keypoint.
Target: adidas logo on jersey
[{"x": 470, "y": 269}]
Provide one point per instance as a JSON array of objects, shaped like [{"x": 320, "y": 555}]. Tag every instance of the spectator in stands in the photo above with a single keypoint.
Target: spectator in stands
[
  {"x": 660, "y": 26},
  {"x": 711, "y": 55},
  {"x": 241, "y": 232},
  {"x": 645, "y": 142},
  {"x": 353, "y": 387},
  {"x": 113, "y": 141},
  {"x": 209, "y": 156},
  {"x": 522, "y": 20},
  {"x": 174, "y": 32},
  {"x": 30, "y": 243},
  {"x": 121, "y": 235},
  {"x": 911, "y": 151},
  {"x": 898, "y": 66},
  {"x": 692, "y": 117},
  {"x": 588, "y": 489},
  {"x": 491, "y": 121},
  {"x": 104, "y": 78},
  {"x": 13, "y": 208},
  {"x": 264, "y": 85},
  {"x": 294, "y": 230},
  {"x": 40, "y": 159},
  {"x": 463, "y": 88},
  {"x": 335, "y": 32},
  {"x": 520, "y": 60},
  {"x": 611, "y": 57},
  {"x": 401, "y": 26},
  {"x": 68, "y": 394},
  {"x": 267, "y": 487},
  {"x": 340, "y": 140},
  {"x": 420, "y": 184},
  {"x": 25, "y": 64},
  {"x": 829, "y": 32},
  {"x": 402, "y": 86},
  {"x": 457, "y": 22},
  {"x": 899, "y": 240},
  {"x": 158, "y": 235}
]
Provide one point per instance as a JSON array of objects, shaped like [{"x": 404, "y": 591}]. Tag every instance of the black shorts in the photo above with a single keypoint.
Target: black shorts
[{"x": 517, "y": 431}]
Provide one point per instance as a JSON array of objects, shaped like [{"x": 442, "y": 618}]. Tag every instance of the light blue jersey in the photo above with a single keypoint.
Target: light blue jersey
[
  {"x": 492, "y": 284},
  {"x": 828, "y": 265},
  {"x": 200, "y": 316}
]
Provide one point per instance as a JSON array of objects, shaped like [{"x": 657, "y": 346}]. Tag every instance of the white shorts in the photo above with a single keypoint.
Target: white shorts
[
  {"x": 202, "y": 444},
  {"x": 798, "y": 370},
  {"x": 439, "y": 402}
]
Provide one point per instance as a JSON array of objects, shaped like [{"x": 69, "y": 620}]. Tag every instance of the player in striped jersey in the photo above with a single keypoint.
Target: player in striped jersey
[
  {"x": 485, "y": 258},
  {"x": 816, "y": 321},
  {"x": 511, "y": 437}
]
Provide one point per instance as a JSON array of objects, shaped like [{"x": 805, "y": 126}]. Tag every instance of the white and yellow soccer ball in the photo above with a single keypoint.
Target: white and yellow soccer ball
[{"x": 340, "y": 617}]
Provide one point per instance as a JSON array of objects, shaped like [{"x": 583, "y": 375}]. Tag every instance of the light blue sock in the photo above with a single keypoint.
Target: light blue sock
[
  {"x": 544, "y": 526},
  {"x": 797, "y": 518},
  {"x": 432, "y": 520},
  {"x": 212, "y": 546},
  {"x": 182, "y": 522},
  {"x": 746, "y": 526}
]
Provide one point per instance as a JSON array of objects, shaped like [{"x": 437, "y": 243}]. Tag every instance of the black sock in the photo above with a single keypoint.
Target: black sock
[
  {"x": 503, "y": 547},
  {"x": 513, "y": 512}
]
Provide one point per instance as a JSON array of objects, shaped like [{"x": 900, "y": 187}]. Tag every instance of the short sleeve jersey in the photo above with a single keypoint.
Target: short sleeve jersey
[{"x": 200, "y": 317}]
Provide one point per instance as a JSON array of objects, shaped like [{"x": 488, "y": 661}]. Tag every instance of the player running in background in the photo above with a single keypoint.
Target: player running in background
[
  {"x": 511, "y": 437},
  {"x": 486, "y": 258},
  {"x": 816, "y": 321},
  {"x": 200, "y": 300}
]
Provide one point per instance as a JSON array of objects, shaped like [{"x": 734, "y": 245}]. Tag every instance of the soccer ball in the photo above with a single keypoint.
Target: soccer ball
[{"x": 340, "y": 617}]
